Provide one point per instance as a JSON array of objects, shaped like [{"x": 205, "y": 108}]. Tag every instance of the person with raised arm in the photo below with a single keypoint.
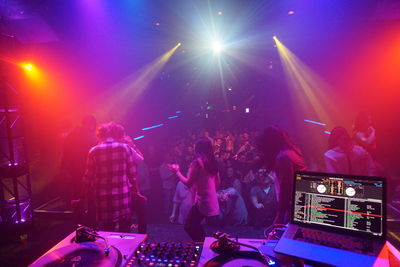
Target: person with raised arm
[{"x": 203, "y": 178}]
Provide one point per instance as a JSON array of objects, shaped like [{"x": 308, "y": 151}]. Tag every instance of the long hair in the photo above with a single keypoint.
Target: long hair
[
  {"x": 271, "y": 141},
  {"x": 361, "y": 122},
  {"x": 204, "y": 150},
  {"x": 339, "y": 137}
]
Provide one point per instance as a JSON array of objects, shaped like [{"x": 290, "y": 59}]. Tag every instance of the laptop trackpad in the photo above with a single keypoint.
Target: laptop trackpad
[
  {"x": 321, "y": 254},
  {"x": 341, "y": 258}
]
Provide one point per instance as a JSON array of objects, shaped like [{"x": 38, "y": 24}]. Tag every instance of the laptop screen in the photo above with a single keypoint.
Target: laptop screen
[{"x": 351, "y": 203}]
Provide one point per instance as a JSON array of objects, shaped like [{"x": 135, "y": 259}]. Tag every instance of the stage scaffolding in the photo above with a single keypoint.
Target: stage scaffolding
[{"x": 15, "y": 185}]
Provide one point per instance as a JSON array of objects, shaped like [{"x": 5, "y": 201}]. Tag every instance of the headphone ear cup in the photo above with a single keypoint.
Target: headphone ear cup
[{"x": 220, "y": 247}]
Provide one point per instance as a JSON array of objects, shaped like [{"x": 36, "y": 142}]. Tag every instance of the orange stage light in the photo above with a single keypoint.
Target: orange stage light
[{"x": 28, "y": 67}]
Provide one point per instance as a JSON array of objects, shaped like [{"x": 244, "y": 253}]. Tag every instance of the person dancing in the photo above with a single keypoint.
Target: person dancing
[
  {"x": 364, "y": 132},
  {"x": 203, "y": 177}
]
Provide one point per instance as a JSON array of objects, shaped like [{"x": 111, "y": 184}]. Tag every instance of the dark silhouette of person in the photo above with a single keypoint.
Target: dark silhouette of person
[
  {"x": 281, "y": 156},
  {"x": 74, "y": 154}
]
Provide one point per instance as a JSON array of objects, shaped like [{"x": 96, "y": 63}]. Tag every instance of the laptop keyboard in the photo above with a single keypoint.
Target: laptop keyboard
[{"x": 334, "y": 241}]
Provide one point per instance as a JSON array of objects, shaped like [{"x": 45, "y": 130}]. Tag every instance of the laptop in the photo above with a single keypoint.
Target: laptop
[{"x": 336, "y": 219}]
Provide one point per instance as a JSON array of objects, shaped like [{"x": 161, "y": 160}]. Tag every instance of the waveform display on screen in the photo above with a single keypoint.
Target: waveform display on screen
[{"x": 337, "y": 202}]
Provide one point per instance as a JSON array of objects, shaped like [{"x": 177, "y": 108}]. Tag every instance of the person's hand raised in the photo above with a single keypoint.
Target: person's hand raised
[{"x": 173, "y": 167}]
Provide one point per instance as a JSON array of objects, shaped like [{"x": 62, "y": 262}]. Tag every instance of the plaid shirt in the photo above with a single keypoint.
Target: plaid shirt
[{"x": 110, "y": 171}]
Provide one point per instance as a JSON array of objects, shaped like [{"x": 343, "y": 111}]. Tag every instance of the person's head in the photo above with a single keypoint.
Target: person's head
[
  {"x": 362, "y": 121},
  {"x": 229, "y": 141},
  {"x": 203, "y": 147},
  {"x": 103, "y": 132},
  {"x": 218, "y": 142},
  {"x": 111, "y": 130},
  {"x": 242, "y": 157},
  {"x": 190, "y": 149},
  {"x": 169, "y": 158},
  {"x": 204, "y": 150},
  {"x": 339, "y": 137},
  {"x": 262, "y": 178},
  {"x": 117, "y": 131},
  {"x": 89, "y": 123},
  {"x": 273, "y": 140}
]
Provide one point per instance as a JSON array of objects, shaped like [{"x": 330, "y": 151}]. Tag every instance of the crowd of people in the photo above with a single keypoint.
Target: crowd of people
[
  {"x": 246, "y": 192},
  {"x": 225, "y": 177}
]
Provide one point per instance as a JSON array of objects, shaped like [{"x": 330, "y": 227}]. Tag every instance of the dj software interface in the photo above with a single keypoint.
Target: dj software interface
[{"x": 352, "y": 204}]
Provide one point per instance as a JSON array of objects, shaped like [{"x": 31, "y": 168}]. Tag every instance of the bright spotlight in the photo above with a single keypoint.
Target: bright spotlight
[
  {"x": 274, "y": 37},
  {"x": 28, "y": 66},
  {"x": 217, "y": 47}
]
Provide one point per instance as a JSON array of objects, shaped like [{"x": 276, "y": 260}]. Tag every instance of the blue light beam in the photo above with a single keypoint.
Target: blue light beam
[
  {"x": 316, "y": 122},
  {"x": 152, "y": 127},
  {"x": 139, "y": 137}
]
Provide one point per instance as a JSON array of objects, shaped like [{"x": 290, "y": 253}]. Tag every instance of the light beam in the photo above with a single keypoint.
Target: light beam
[{"x": 130, "y": 88}]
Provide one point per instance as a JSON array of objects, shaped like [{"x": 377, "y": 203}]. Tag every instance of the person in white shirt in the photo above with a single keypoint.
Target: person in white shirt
[{"x": 345, "y": 157}]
